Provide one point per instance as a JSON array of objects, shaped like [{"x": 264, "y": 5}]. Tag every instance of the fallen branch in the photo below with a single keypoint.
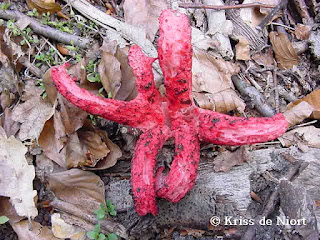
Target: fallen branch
[
  {"x": 217, "y": 7},
  {"x": 46, "y": 31},
  {"x": 129, "y": 32},
  {"x": 256, "y": 97}
]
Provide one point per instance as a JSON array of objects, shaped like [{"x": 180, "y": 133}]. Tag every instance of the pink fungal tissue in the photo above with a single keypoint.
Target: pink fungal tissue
[{"x": 173, "y": 116}]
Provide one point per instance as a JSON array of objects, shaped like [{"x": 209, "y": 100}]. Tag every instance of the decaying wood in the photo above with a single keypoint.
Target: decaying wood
[{"x": 222, "y": 194}]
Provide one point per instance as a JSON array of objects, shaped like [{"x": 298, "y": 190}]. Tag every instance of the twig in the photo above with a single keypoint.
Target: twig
[
  {"x": 256, "y": 97},
  {"x": 55, "y": 49},
  {"x": 276, "y": 90},
  {"x": 47, "y": 31},
  {"x": 270, "y": 16},
  {"x": 282, "y": 25},
  {"x": 218, "y": 7}
]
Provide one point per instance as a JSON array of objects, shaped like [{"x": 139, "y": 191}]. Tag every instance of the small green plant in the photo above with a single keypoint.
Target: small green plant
[
  {"x": 33, "y": 13},
  {"x": 42, "y": 87},
  {"x": 102, "y": 213},
  {"x": 92, "y": 75},
  {"x": 4, "y": 6},
  {"x": 25, "y": 33},
  {"x": 64, "y": 26},
  {"x": 47, "y": 57},
  {"x": 3, "y": 219}
]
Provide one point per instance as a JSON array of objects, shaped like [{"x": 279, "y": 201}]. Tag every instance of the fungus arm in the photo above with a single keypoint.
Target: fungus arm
[
  {"x": 175, "y": 57},
  {"x": 183, "y": 170},
  {"x": 142, "y": 169},
  {"x": 222, "y": 129}
]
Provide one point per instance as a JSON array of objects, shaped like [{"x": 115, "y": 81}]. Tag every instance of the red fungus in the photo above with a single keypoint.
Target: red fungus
[{"x": 161, "y": 118}]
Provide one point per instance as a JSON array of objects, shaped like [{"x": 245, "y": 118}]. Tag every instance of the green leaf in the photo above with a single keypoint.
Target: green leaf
[
  {"x": 92, "y": 234},
  {"x": 97, "y": 228},
  {"x": 3, "y": 219},
  {"x": 102, "y": 236},
  {"x": 112, "y": 236},
  {"x": 113, "y": 213}
]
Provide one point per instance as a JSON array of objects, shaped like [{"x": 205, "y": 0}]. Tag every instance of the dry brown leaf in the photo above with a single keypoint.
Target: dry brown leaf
[
  {"x": 253, "y": 16},
  {"x": 144, "y": 14},
  {"x": 302, "y": 32},
  {"x": 81, "y": 188},
  {"x": 211, "y": 74},
  {"x": 284, "y": 52},
  {"x": 224, "y": 101},
  {"x": 38, "y": 232},
  {"x": 33, "y": 113},
  {"x": 308, "y": 135},
  {"x": 109, "y": 69},
  {"x": 226, "y": 160},
  {"x": 66, "y": 151},
  {"x": 128, "y": 86},
  {"x": 44, "y": 6},
  {"x": 197, "y": 233},
  {"x": 264, "y": 59},
  {"x": 17, "y": 176},
  {"x": 242, "y": 49},
  {"x": 297, "y": 113},
  {"x": 7, "y": 209},
  {"x": 10, "y": 126},
  {"x": 314, "y": 100}
]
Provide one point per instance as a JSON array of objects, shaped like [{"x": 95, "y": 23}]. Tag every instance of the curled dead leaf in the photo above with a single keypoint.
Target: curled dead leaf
[
  {"x": 309, "y": 136},
  {"x": 44, "y": 6},
  {"x": 226, "y": 160},
  {"x": 284, "y": 52},
  {"x": 83, "y": 189},
  {"x": 302, "y": 32},
  {"x": 224, "y": 101},
  {"x": 211, "y": 73},
  {"x": 297, "y": 113},
  {"x": 37, "y": 232},
  {"x": 314, "y": 100}
]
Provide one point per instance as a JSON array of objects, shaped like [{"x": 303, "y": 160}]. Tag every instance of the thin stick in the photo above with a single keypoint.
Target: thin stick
[
  {"x": 270, "y": 16},
  {"x": 217, "y": 7},
  {"x": 276, "y": 91}
]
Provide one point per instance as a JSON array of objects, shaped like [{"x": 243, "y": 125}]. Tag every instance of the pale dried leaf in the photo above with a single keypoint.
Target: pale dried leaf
[
  {"x": 302, "y": 32},
  {"x": 17, "y": 177},
  {"x": 81, "y": 188},
  {"x": 242, "y": 49},
  {"x": 284, "y": 52},
  {"x": 226, "y": 160},
  {"x": 63, "y": 230},
  {"x": 109, "y": 69},
  {"x": 253, "y": 16},
  {"x": 314, "y": 100},
  {"x": 211, "y": 74},
  {"x": 6, "y": 99},
  {"x": 224, "y": 101},
  {"x": 144, "y": 14},
  {"x": 38, "y": 232},
  {"x": 264, "y": 59},
  {"x": 297, "y": 113},
  {"x": 308, "y": 135},
  {"x": 33, "y": 113}
]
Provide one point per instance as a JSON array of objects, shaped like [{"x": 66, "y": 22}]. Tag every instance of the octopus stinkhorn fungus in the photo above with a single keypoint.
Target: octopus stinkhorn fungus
[{"x": 173, "y": 116}]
